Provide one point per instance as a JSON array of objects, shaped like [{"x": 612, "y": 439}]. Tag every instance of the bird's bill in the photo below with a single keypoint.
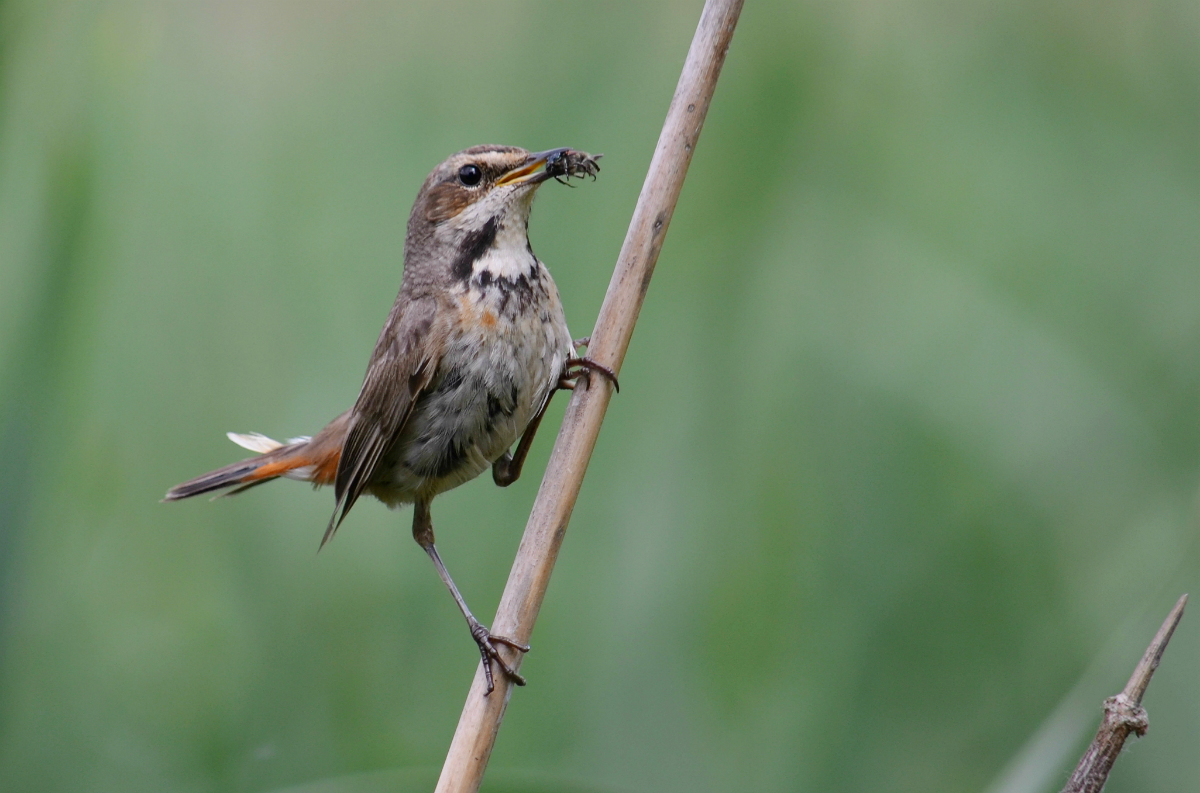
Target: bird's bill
[{"x": 527, "y": 172}]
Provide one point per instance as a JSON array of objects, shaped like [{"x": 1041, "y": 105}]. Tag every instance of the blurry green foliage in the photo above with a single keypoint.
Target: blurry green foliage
[{"x": 902, "y": 477}]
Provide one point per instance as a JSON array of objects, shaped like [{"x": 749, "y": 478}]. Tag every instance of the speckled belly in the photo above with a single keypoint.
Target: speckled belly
[{"x": 497, "y": 371}]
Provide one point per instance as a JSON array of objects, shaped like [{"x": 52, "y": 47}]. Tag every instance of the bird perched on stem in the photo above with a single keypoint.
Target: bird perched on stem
[{"x": 471, "y": 353}]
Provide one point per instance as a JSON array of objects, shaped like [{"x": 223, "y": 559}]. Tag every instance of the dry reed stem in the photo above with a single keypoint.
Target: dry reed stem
[{"x": 481, "y": 716}]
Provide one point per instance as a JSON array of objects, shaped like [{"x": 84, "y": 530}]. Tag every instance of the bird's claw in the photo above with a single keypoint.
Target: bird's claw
[
  {"x": 575, "y": 367},
  {"x": 487, "y": 650}
]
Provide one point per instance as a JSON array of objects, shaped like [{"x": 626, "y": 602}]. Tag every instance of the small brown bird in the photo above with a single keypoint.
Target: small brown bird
[{"x": 471, "y": 353}]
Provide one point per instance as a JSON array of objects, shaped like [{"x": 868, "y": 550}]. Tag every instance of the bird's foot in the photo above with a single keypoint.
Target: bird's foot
[
  {"x": 487, "y": 642},
  {"x": 578, "y": 367}
]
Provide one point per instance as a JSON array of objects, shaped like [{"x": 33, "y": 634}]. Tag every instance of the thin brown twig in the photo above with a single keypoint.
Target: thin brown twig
[
  {"x": 480, "y": 721},
  {"x": 1123, "y": 714}
]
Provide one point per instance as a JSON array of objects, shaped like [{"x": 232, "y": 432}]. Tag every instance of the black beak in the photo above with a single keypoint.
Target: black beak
[{"x": 528, "y": 172}]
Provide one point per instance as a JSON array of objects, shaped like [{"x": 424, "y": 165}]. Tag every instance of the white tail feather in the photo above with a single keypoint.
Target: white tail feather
[{"x": 254, "y": 441}]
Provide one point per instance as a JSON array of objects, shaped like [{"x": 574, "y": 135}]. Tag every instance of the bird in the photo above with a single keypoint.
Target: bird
[{"x": 474, "y": 347}]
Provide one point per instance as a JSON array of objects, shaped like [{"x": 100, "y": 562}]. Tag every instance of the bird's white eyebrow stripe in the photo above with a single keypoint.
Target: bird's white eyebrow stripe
[{"x": 493, "y": 164}]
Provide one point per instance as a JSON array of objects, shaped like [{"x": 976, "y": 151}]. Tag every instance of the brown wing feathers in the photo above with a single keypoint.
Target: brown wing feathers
[
  {"x": 349, "y": 449},
  {"x": 401, "y": 367}
]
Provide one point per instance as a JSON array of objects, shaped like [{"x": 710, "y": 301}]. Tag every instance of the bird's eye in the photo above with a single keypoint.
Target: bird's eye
[{"x": 470, "y": 175}]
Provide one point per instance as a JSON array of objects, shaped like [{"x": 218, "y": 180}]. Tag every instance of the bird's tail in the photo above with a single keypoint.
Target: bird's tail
[{"x": 296, "y": 459}]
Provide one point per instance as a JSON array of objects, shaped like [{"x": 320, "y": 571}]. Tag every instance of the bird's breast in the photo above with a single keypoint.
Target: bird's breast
[{"x": 501, "y": 361}]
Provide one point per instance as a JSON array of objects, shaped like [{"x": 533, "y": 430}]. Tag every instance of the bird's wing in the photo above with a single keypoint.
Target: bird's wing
[{"x": 405, "y": 359}]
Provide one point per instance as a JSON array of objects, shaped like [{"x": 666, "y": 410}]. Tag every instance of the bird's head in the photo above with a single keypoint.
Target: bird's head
[{"x": 485, "y": 192}]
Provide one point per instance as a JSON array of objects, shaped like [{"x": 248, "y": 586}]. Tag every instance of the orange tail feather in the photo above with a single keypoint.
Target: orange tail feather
[{"x": 263, "y": 468}]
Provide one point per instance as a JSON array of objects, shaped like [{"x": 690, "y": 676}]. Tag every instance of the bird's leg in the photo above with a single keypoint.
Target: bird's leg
[
  {"x": 507, "y": 469},
  {"x": 423, "y": 534}
]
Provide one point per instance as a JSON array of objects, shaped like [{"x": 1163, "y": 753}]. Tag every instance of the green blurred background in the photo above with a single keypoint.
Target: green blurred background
[{"x": 903, "y": 476}]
